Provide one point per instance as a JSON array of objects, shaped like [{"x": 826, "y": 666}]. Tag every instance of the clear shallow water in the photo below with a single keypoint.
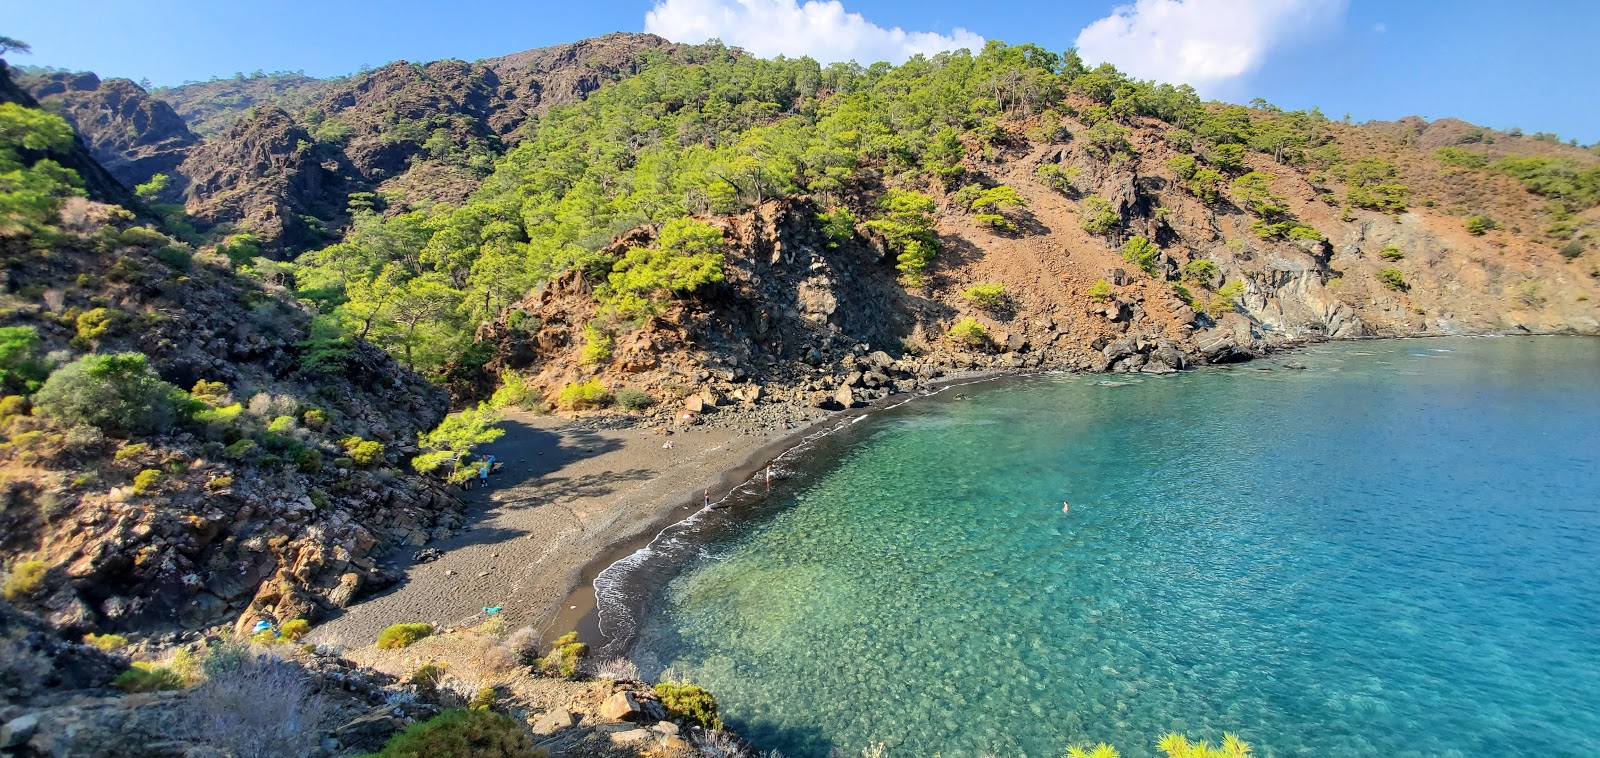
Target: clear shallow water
[{"x": 1395, "y": 552}]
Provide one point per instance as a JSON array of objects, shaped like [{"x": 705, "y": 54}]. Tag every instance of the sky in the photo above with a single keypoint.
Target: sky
[{"x": 1528, "y": 65}]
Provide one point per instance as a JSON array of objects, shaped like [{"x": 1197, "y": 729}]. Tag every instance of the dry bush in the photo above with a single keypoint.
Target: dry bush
[
  {"x": 524, "y": 643},
  {"x": 263, "y": 707},
  {"x": 718, "y": 744},
  {"x": 617, "y": 670}
]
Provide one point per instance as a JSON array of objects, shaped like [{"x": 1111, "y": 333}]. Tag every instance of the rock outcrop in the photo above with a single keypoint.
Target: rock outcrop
[{"x": 133, "y": 134}]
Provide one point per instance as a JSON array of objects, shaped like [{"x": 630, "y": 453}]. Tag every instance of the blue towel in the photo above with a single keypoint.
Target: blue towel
[
  {"x": 491, "y": 611},
  {"x": 262, "y": 626}
]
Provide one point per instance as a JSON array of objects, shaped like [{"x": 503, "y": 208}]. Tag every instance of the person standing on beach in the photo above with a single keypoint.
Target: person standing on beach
[{"x": 708, "y": 497}]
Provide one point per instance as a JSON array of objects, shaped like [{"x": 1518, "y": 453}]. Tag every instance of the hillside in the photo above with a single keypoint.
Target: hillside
[{"x": 785, "y": 220}]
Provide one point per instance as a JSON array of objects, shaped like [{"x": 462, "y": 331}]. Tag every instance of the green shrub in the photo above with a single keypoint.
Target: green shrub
[
  {"x": 689, "y": 702},
  {"x": 1142, "y": 253},
  {"x": 1572, "y": 250},
  {"x": 838, "y": 225},
  {"x": 1479, "y": 225},
  {"x": 147, "y": 677},
  {"x": 484, "y": 699},
  {"x": 581, "y": 395},
  {"x": 1530, "y": 295},
  {"x": 1183, "y": 294},
  {"x": 241, "y": 450},
  {"x": 513, "y": 391},
  {"x": 597, "y": 345},
  {"x": 21, "y": 368},
  {"x": 986, "y": 295},
  {"x": 1392, "y": 278},
  {"x": 969, "y": 332},
  {"x": 131, "y": 451},
  {"x": 566, "y": 652},
  {"x": 139, "y": 236},
  {"x": 634, "y": 399},
  {"x": 365, "y": 453},
  {"x": 463, "y": 734},
  {"x": 106, "y": 642},
  {"x": 1099, "y": 217},
  {"x": 176, "y": 257},
  {"x": 281, "y": 425},
  {"x": 1100, "y": 291},
  {"x": 402, "y": 635},
  {"x": 1455, "y": 156},
  {"x": 294, "y": 629},
  {"x": 1199, "y": 270},
  {"x": 220, "y": 483},
  {"x": 25, "y": 579},
  {"x": 145, "y": 481},
  {"x": 315, "y": 418},
  {"x": 308, "y": 460},
  {"x": 94, "y": 324},
  {"x": 118, "y": 394},
  {"x": 1055, "y": 177},
  {"x": 1391, "y": 253},
  {"x": 1225, "y": 299}
]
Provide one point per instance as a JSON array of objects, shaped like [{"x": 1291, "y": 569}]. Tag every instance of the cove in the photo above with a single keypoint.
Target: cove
[{"x": 1391, "y": 552}]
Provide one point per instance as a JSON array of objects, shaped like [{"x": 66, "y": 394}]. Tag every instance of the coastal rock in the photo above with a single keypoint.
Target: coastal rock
[
  {"x": 370, "y": 730},
  {"x": 18, "y": 731},
  {"x": 845, "y": 397},
  {"x": 621, "y": 706},
  {"x": 553, "y": 721}
]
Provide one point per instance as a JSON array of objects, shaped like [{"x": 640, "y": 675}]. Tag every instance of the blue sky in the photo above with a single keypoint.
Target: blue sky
[{"x": 1531, "y": 67}]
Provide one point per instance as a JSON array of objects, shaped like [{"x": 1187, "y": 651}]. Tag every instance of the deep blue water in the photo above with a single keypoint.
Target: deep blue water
[{"x": 1395, "y": 552}]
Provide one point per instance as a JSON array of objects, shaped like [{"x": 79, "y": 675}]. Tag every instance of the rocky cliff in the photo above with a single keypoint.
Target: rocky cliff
[{"x": 131, "y": 133}]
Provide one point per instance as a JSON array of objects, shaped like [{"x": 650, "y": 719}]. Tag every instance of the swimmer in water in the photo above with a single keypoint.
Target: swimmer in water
[{"x": 1065, "y": 507}]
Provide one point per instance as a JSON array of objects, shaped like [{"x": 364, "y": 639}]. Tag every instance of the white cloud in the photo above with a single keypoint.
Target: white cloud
[
  {"x": 1206, "y": 43},
  {"x": 821, "y": 29},
  {"x": 1380, "y": 27}
]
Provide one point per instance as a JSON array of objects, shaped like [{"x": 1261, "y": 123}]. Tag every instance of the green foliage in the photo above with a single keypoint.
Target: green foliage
[
  {"x": 365, "y": 453},
  {"x": 1455, "y": 156},
  {"x": 1142, "y": 253},
  {"x": 31, "y": 191},
  {"x": 1391, "y": 253},
  {"x": 1370, "y": 184},
  {"x": 907, "y": 225},
  {"x": 241, "y": 450},
  {"x": 689, "y": 703},
  {"x": 990, "y": 205},
  {"x": 597, "y": 345},
  {"x": 1199, "y": 270},
  {"x": 428, "y": 675},
  {"x": 1184, "y": 166},
  {"x": 513, "y": 391},
  {"x": 1227, "y": 158},
  {"x": 25, "y": 579},
  {"x": 308, "y": 460},
  {"x": 484, "y": 699},
  {"x": 142, "y": 236},
  {"x": 118, "y": 394},
  {"x": 1206, "y": 184},
  {"x": 634, "y": 399},
  {"x": 152, "y": 189},
  {"x": 1184, "y": 294},
  {"x": 463, "y": 733},
  {"x": 1099, "y": 217},
  {"x": 1108, "y": 142},
  {"x": 1099, "y": 292},
  {"x": 402, "y": 635},
  {"x": 579, "y": 396},
  {"x": 240, "y": 249},
  {"x": 145, "y": 481},
  {"x": 456, "y": 436},
  {"x": 1254, "y": 190},
  {"x": 566, "y": 652},
  {"x": 147, "y": 677},
  {"x": 1054, "y": 176},
  {"x": 107, "y": 643},
  {"x": 986, "y": 295},
  {"x": 94, "y": 324},
  {"x": 1565, "y": 181},
  {"x": 22, "y": 369},
  {"x": 838, "y": 225},
  {"x": 1392, "y": 278},
  {"x": 1290, "y": 230},
  {"x": 969, "y": 332},
  {"x": 1479, "y": 225},
  {"x": 1225, "y": 299},
  {"x": 687, "y": 256}
]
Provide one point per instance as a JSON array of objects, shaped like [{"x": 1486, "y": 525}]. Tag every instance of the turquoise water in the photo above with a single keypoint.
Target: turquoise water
[{"x": 1391, "y": 553}]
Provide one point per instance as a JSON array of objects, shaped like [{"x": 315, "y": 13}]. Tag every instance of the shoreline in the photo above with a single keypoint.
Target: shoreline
[{"x": 654, "y": 499}]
